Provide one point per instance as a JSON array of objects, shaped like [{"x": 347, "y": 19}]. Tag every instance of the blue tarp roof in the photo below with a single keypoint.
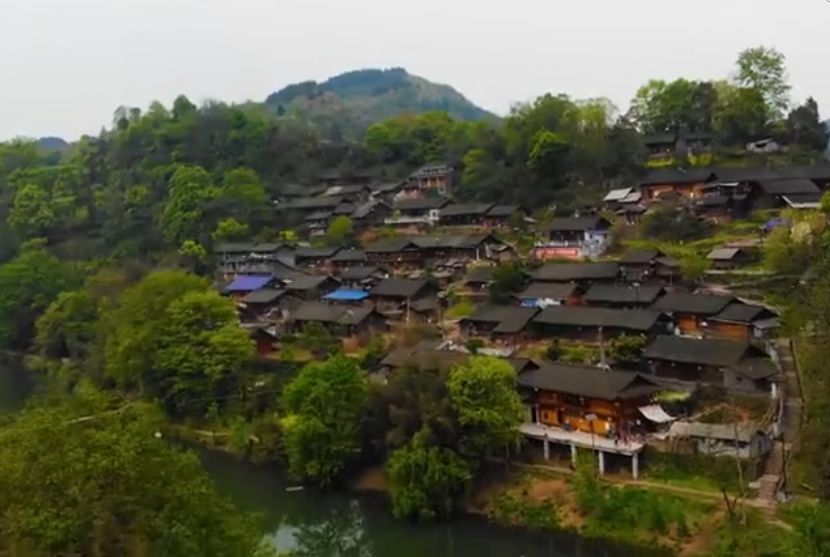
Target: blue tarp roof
[
  {"x": 248, "y": 283},
  {"x": 347, "y": 295}
]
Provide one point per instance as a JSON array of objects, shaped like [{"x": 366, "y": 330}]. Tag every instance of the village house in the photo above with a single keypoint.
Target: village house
[
  {"x": 478, "y": 279},
  {"x": 464, "y": 214},
  {"x": 500, "y": 215},
  {"x": 574, "y": 238},
  {"x": 417, "y": 212},
  {"x": 398, "y": 293},
  {"x": 691, "y": 311},
  {"x": 586, "y": 408},
  {"x": 428, "y": 180},
  {"x": 593, "y": 325},
  {"x": 362, "y": 277},
  {"x": 243, "y": 285},
  {"x": 733, "y": 365},
  {"x": 308, "y": 205},
  {"x": 342, "y": 321},
  {"x": 674, "y": 183},
  {"x": 544, "y": 294},
  {"x": 743, "y": 322},
  {"x": 733, "y": 440},
  {"x": 317, "y": 223},
  {"x": 502, "y": 324},
  {"x": 649, "y": 266},
  {"x": 725, "y": 258},
  {"x": 771, "y": 194},
  {"x": 622, "y": 295},
  {"x": 255, "y": 258},
  {"x": 370, "y": 213},
  {"x": 351, "y": 193},
  {"x": 311, "y": 288},
  {"x": 266, "y": 305},
  {"x": 620, "y": 199},
  {"x": 395, "y": 252},
  {"x": 317, "y": 260},
  {"x": 581, "y": 273},
  {"x": 346, "y": 258}
]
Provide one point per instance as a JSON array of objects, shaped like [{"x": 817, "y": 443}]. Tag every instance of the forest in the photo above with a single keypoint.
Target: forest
[{"x": 106, "y": 288}]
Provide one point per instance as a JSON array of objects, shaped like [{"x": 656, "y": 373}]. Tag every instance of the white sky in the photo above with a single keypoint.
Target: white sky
[{"x": 65, "y": 65}]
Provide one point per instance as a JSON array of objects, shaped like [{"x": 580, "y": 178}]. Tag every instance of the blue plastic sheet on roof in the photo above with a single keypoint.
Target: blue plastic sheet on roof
[
  {"x": 347, "y": 295},
  {"x": 248, "y": 283},
  {"x": 775, "y": 223}
]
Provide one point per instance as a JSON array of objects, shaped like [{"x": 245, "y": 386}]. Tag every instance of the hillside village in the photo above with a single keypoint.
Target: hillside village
[{"x": 615, "y": 350}]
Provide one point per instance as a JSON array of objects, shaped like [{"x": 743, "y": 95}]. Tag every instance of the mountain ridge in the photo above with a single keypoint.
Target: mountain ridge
[{"x": 347, "y": 104}]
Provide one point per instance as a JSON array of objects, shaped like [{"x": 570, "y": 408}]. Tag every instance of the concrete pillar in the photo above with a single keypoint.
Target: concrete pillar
[
  {"x": 546, "y": 448},
  {"x": 601, "y": 460},
  {"x": 573, "y": 455},
  {"x": 635, "y": 466}
]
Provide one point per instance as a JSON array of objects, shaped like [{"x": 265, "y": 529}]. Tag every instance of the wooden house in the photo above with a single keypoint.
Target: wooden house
[
  {"x": 318, "y": 260},
  {"x": 430, "y": 179},
  {"x": 742, "y": 322},
  {"x": 265, "y": 339},
  {"x": 395, "y": 252},
  {"x": 574, "y": 238},
  {"x": 649, "y": 266},
  {"x": 676, "y": 183},
  {"x": 592, "y": 324},
  {"x": 266, "y": 305},
  {"x": 587, "y": 399},
  {"x": 733, "y": 365},
  {"x": 362, "y": 277},
  {"x": 691, "y": 311},
  {"x": 397, "y": 293},
  {"x": 346, "y": 258},
  {"x": 731, "y": 440},
  {"x": 726, "y": 258},
  {"x": 243, "y": 285},
  {"x": 369, "y": 214},
  {"x": 503, "y": 324},
  {"x": 311, "y": 288},
  {"x": 499, "y": 215},
  {"x": 464, "y": 214},
  {"x": 417, "y": 212},
  {"x": 308, "y": 205},
  {"x": 340, "y": 320},
  {"x": 622, "y": 296},
  {"x": 544, "y": 294},
  {"x": 771, "y": 194},
  {"x": 479, "y": 279}
]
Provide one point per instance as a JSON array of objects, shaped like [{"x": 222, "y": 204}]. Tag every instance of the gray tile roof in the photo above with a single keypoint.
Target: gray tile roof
[
  {"x": 640, "y": 320},
  {"x": 685, "y": 302},
  {"x": 564, "y": 272},
  {"x": 622, "y": 294},
  {"x": 707, "y": 351},
  {"x": 590, "y": 382}
]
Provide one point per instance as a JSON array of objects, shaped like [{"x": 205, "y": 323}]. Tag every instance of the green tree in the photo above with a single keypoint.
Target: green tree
[
  {"x": 484, "y": 396},
  {"x": 340, "y": 230},
  {"x": 426, "y": 482},
  {"x": 83, "y": 479},
  {"x": 805, "y": 128},
  {"x": 508, "y": 279},
  {"x": 324, "y": 408},
  {"x": 68, "y": 326},
  {"x": 673, "y": 224},
  {"x": 229, "y": 230},
  {"x": 626, "y": 348},
  {"x": 242, "y": 194},
  {"x": 764, "y": 70},
  {"x": 28, "y": 284},
  {"x": 189, "y": 192},
  {"x": 32, "y": 214}
]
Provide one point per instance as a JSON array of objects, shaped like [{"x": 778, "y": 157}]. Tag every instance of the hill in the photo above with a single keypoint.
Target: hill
[{"x": 344, "y": 106}]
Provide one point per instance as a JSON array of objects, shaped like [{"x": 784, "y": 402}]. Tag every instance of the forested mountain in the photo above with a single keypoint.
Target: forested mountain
[{"x": 344, "y": 106}]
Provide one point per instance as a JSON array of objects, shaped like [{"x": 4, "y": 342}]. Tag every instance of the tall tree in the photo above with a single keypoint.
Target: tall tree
[
  {"x": 764, "y": 70},
  {"x": 804, "y": 127}
]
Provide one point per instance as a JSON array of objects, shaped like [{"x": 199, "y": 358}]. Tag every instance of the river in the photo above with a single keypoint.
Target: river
[{"x": 316, "y": 524}]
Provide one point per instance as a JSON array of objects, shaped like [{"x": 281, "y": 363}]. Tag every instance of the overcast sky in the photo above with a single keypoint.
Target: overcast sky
[{"x": 65, "y": 65}]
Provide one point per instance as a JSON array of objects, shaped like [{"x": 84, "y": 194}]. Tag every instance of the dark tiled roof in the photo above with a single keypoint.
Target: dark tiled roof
[
  {"x": 306, "y": 283},
  {"x": 788, "y": 186},
  {"x": 685, "y": 302},
  {"x": 747, "y": 174},
  {"x": 262, "y": 296},
  {"x": 552, "y": 290},
  {"x": 420, "y": 204},
  {"x": 590, "y": 382},
  {"x": 311, "y": 203},
  {"x": 449, "y": 241},
  {"x": 563, "y": 272},
  {"x": 319, "y": 215},
  {"x": 503, "y": 210},
  {"x": 399, "y": 288},
  {"x": 314, "y": 253},
  {"x": 622, "y": 294},
  {"x": 331, "y": 313},
  {"x": 364, "y": 210},
  {"x": 578, "y": 224},
  {"x": 391, "y": 245},
  {"x": 359, "y": 273},
  {"x": 509, "y": 319},
  {"x": 349, "y": 255},
  {"x": 707, "y": 351},
  {"x": 677, "y": 176},
  {"x": 723, "y": 254},
  {"x": 465, "y": 209},
  {"x": 743, "y": 313},
  {"x": 582, "y": 316}
]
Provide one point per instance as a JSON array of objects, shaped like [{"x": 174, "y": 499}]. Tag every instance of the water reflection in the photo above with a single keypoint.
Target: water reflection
[{"x": 341, "y": 534}]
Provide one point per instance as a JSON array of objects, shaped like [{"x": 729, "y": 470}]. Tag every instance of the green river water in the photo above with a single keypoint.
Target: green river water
[{"x": 315, "y": 524}]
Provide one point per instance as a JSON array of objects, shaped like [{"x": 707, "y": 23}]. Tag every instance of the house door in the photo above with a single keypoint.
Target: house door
[{"x": 534, "y": 414}]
